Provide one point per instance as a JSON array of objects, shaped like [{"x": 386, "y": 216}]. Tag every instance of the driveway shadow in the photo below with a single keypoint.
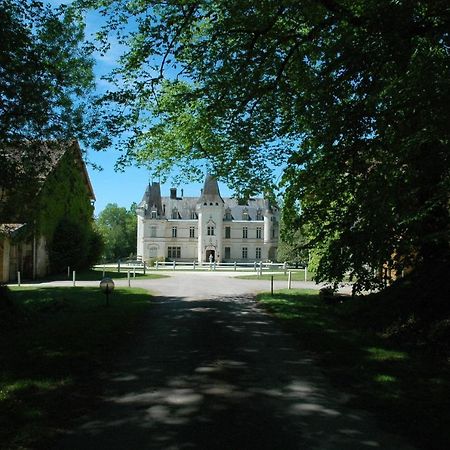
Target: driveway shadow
[{"x": 220, "y": 374}]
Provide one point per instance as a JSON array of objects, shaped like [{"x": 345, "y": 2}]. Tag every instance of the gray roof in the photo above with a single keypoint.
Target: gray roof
[{"x": 185, "y": 207}]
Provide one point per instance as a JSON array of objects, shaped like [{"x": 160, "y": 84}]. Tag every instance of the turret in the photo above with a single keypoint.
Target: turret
[{"x": 210, "y": 208}]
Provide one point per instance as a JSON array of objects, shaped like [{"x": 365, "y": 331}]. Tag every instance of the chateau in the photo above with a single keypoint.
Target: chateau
[{"x": 206, "y": 228}]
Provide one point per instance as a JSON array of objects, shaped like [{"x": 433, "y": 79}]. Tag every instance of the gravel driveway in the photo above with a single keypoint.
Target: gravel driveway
[{"x": 214, "y": 371}]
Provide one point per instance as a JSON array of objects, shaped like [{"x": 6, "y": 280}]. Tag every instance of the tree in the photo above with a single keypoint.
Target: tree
[
  {"x": 46, "y": 75},
  {"x": 118, "y": 227},
  {"x": 351, "y": 96}
]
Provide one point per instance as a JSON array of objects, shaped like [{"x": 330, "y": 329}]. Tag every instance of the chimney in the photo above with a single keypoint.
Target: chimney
[
  {"x": 173, "y": 193},
  {"x": 182, "y": 193}
]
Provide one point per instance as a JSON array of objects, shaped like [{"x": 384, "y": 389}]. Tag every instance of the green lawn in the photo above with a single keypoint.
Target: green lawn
[
  {"x": 296, "y": 276},
  {"x": 97, "y": 274},
  {"x": 54, "y": 344},
  {"x": 407, "y": 387}
]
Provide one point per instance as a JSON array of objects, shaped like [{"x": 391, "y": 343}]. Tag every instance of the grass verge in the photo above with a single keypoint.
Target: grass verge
[
  {"x": 407, "y": 387},
  {"x": 55, "y": 343},
  {"x": 97, "y": 274},
  {"x": 296, "y": 276}
]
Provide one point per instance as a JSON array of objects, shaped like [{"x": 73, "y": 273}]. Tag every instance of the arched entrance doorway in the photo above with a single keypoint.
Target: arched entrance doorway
[{"x": 210, "y": 255}]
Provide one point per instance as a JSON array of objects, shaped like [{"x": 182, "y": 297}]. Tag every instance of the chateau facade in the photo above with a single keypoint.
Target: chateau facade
[{"x": 206, "y": 228}]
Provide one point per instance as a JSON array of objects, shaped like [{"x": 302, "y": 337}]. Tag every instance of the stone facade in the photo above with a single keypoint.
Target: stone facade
[{"x": 206, "y": 228}]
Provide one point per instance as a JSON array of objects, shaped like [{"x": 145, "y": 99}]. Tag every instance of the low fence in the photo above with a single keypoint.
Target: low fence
[{"x": 258, "y": 267}]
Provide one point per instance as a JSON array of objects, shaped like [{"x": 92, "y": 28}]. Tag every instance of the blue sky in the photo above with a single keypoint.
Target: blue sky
[{"x": 110, "y": 186}]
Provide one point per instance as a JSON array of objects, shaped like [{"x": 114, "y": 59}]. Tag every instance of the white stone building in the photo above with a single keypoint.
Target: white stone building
[{"x": 205, "y": 228}]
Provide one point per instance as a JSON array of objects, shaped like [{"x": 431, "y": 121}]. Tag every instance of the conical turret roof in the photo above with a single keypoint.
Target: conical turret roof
[{"x": 210, "y": 192}]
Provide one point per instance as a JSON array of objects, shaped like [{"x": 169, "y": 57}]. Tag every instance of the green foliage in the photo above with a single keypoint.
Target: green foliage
[
  {"x": 96, "y": 246},
  {"x": 69, "y": 247},
  {"x": 46, "y": 74},
  {"x": 293, "y": 247},
  {"x": 351, "y": 97},
  {"x": 118, "y": 227},
  {"x": 64, "y": 194}
]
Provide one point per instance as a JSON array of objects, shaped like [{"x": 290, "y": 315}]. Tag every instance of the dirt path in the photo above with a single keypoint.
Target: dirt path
[{"x": 220, "y": 374}]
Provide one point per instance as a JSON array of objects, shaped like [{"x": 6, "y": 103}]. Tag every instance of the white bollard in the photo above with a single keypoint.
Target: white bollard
[
  {"x": 134, "y": 272},
  {"x": 284, "y": 267},
  {"x": 74, "y": 277},
  {"x": 306, "y": 273},
  {"x": 18, "y": 278},
  {"x": 193, "y": 265},
  {"x": 289, "y": 279},
  {"x": 104, "y": 270},
  {"x": 174, "y": 264},
  {"x": 68, "y": 272},
  {"x": 235, "y": 266},
  {"x": 260, "y": 269}
]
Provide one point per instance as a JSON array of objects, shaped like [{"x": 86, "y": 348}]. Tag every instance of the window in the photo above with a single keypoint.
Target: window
[
  {"x": 244, "y": 252},
  {"x": 227, "y": 252},
  {"x": 259, "y": 215},
  {"x": 193, "y": 215},
  {"x": 210, "y": 231},
  {"x": 258, "y": 253},
  {"x": 273, "y": 233},
  {"x": 153, "y": 215},
  {"x": 227, "y": 232},
  {"x": 244, "y": 233},
  {"x": 174, "y": 252},
  {"x": 174, "y": 213},
  {"x": 245, "y": 214},
  {"x": 152, "y": 231},
  {"x": 174, "y": 232},
  {"x": 258, "y": 232},
  {"x": 228, "y": 215},
  {"x": 191, "y": 232}
]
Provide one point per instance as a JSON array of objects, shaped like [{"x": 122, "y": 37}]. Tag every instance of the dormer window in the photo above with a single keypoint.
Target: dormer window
[
  {"x": 228, "y": 215},
  {"x": 193, "y": 215},
  {"x": 174, "y": 213},
  {"x": 153, "y": 214},
  {"x": 259, "y": 215},
  {"x": 245, "y": 215}
]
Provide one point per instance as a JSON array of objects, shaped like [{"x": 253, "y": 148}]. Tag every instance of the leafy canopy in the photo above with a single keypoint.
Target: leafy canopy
[
  {"x": 46, "y": 75},
  {"x": 350, "y": 97},
  {"x": 118, "y": 228}
]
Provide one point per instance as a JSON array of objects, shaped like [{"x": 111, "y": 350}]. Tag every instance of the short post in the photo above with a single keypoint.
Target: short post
[
  {"x": 144, "y": 267},
  {"x": 156, "y": 265},
  {"x": 193, "y": 265},
  {"x": 306, "y": 273},
  {"x": 128, "y": 276},
  {"x": 235, "y": 266},
  {"x": 134, "y": 272},
  {"x": 271, "y": 285},
  {"x": 74, "y": 277},
  {"x": 118, "y": 266},
  {"x": 289, "y": 279},
  {"x": 68, "y": 272},
  {"x": 254, "y": 266},
  {"x": 107, "y": 286},
  {"x": 284, "y": 267},
  {"x": 18, "y": 278},
  {"x": 174, "y": 264},
  {"x": 103, "y": 271},
  {"x": 260, "y": 268}
]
